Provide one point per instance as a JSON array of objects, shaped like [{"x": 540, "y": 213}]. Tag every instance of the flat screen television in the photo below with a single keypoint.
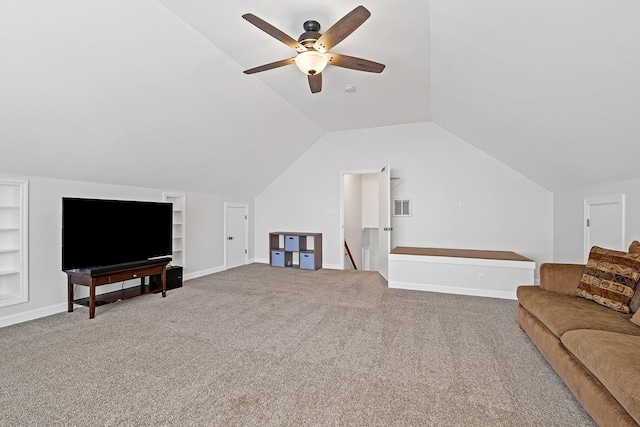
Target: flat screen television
[{"x": 99, "y": 233}]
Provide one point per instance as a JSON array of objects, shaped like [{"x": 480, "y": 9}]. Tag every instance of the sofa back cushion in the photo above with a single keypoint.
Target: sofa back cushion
[
  {"x": 561, "y": 313},
  {"x": 634, "y": 304},
  {"x": 610, "y": 278}
]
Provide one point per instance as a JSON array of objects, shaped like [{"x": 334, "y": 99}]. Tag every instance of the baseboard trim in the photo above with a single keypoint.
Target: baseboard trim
[
  {"x": 203, "y": 273},
  {"x": 453, "y": 290},
  {"x": 32, "y": 314}
]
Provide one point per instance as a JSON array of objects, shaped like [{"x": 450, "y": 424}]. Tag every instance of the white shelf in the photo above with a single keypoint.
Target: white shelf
[
  {"x": 9, "y": 272},
  {"x": 178, "y": 242},
  {"x": 6, "y": 297},
  {"x": 14, "y": 240}
]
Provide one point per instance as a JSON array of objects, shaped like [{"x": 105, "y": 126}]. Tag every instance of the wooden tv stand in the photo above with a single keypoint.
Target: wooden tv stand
[{"x": 93, "y": 279}]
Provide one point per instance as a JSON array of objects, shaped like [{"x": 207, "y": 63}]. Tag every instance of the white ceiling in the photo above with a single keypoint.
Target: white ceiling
[
  {"x": 399, "y": 95},
  {"x": 152, "y": 93},
  {"x": 550, "y": 88}
]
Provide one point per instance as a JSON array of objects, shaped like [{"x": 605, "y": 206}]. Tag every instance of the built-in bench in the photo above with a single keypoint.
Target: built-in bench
[{"x": 460, "y": 271}]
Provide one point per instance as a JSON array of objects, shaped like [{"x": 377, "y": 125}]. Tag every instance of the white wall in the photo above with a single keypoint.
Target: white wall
[
  {"x": 48, "y": 284},
  {"x": 502, "y": 209},
  {"x": 569, "y": 217},
  {"x": 370, "y": 200}
]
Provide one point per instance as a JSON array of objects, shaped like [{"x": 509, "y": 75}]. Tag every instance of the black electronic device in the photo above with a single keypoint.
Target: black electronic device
[
  {"x": 173, "y": 278},
  {"x": 100, "y": 232}
]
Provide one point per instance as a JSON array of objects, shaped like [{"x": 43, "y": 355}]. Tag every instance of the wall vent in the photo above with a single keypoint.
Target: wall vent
[{"x": 401, "y": 207}]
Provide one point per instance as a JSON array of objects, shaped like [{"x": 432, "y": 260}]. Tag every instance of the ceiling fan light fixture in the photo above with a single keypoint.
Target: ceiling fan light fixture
[
  {"x": 313, "y": 48},
  {"x": 311, "y": 62}
]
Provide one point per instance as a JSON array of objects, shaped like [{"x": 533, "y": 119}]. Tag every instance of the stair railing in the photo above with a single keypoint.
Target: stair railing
[{"x": 353, "y": 263}]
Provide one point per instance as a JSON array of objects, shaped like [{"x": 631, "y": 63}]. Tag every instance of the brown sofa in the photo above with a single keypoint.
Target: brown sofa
[{"x": 594, "y": 349}]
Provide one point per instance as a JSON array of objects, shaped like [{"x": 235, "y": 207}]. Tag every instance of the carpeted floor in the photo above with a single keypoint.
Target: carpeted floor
[{"x": 264, "y": 346}]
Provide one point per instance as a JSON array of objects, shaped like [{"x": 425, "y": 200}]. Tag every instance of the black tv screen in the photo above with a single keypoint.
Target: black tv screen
[{"x": 98, "y": 232}]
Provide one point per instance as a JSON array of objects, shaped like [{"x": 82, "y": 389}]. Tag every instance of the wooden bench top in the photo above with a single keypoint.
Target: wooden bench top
[{"x": 459, "y": 253}]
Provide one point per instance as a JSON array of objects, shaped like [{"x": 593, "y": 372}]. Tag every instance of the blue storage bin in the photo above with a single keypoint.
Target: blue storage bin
[
  {"x": 277, "y": 258},
  {"x": 292, "y": 243},
  {"x": 307, "y": 261}
]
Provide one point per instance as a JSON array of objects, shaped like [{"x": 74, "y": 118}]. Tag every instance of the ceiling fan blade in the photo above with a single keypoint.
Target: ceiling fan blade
[
  {"x": 341, "y": 29},
  {"x": 315, "y": 83},
  {"x": 274, "y": 32},
  {"x": 354, "y": 63},
  {"x": 270, "y": 66}
]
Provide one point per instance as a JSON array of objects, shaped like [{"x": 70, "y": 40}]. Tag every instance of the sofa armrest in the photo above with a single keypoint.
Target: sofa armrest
[{"x": 561, "y": 278}]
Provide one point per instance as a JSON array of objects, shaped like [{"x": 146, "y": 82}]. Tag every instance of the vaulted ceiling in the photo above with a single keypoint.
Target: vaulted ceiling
[{"x": 151, "y": 93}]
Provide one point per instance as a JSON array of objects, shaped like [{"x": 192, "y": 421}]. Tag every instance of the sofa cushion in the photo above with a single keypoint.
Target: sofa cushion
[
  {"x": 610, "y": 278},
  {"x": 636, "y": 318},
  {"x": 562, "y": 313},
  {"x": 614, "y": 359}
]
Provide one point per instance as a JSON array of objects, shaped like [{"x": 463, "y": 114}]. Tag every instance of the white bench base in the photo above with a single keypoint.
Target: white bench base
[{"x": 496, "y": 278}]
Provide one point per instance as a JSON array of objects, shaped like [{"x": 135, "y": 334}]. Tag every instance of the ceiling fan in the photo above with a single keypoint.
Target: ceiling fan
[{"x": 313, "y": 48}]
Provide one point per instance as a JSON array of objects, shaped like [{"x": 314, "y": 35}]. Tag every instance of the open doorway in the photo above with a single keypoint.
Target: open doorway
[{"x": 365, "y": 220}]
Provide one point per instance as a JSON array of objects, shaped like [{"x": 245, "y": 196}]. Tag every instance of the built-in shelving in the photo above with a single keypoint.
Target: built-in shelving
[
  {"x": 179, "y": 230},
  {"x": 14, "y": 242}
]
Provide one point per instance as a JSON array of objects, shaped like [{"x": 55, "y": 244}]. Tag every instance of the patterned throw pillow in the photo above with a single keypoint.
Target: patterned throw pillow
[
  {"x": 610, "y": 278},
  {"x": 634, "y": 304}
]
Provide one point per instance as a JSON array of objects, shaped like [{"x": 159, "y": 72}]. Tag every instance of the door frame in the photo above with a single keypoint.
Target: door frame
[
  {"x": 342, "y": 174},
  {"x": 384, "y": 235},
  {"x": 614, "y": 199},
  {"x": 246, "y": 230}
]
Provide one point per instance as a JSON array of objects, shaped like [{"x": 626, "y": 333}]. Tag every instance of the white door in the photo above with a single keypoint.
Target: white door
[
  {"x": 236, "y": 244},
  {"x": 384, "y": 221},
  {"x": 604, "y": 223}
]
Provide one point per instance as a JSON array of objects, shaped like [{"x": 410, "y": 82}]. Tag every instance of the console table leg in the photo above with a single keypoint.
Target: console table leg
[
  {"x": 92, "y": 300},
  {"x": 164, "y": 282},
  {"x": 69, "y": 295}
]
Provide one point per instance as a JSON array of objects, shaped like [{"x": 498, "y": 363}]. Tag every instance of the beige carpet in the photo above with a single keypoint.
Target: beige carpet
[{"x": 264, "y": 346}]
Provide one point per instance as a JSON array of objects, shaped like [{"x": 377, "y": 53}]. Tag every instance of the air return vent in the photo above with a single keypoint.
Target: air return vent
[{"x": 401, "y": 207}]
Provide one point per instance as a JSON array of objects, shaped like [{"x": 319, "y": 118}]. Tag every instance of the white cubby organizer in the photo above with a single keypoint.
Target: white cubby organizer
[
  {"x": 179, "y": 216},
  {"x": 14, "y": 238}
]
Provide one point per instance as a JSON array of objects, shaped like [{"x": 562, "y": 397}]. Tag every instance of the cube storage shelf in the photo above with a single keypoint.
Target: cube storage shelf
[{"x": 284, "y": 245}]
